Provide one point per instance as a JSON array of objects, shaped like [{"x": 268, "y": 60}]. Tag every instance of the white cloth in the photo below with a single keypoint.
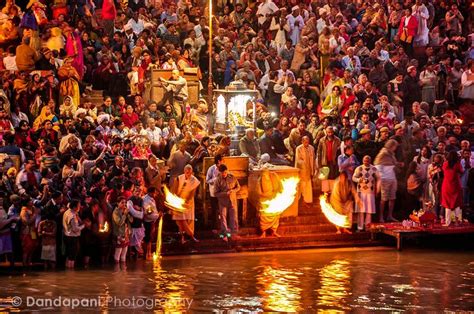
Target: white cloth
[
  {"x": 71, "y": 227},
  {"x": 169, "y": 134},
  {"x": 320, "y": 25},
  {"x": 211, "y": 177},
  {"x": 136, "y": 26},
  {"x": 10, "y": 63},
  {"x": 267, "y": 7},
  {"x": 154, "y": 135},
  {"x": 386, "y": 172},
  {"x": 422, "y": 15},
  {"x": 137, "y": 236},
  {"x": 368, "y": 203},
  {"x": 280, "y": 36},
  {"x": 151, "y": 212},
  {"x": 295, "y": 30},
  {"x": 467, "y": 83}
]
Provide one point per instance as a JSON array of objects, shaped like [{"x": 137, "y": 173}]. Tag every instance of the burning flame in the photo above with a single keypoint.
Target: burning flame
[
  {"x": 333, "y": 216},
  {"x": 104, "y": 228},
  {"x": 157, "y": 253},
  {"x": 283, "y": 199},
  {"x": 173, "y": 201}
]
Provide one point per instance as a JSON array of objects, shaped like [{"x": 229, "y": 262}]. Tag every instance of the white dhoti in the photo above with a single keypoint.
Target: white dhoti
[
  {"x": 137, "y": 236},
  {"x": 368, "y": 203}
]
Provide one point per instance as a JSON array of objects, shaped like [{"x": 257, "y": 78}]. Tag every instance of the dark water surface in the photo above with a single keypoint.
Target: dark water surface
[{"x": 306, "y": 280}]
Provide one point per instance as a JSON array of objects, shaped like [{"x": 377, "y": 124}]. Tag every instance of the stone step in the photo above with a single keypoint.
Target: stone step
[
  {"x": 254, "y": 240},
  {"x": 96, "y": 92},
  {"x": 301, "y": 220},
  {"x": 292, "y": 229},
  {"x": 172, "y": 247}
]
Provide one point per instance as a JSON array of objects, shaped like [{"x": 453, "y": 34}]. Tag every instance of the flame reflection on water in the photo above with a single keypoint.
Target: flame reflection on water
[
  {"x": 279, "y": 289},
  {"x": 358, "y": 280},
  {"x": 335, "y": 279},
  {"x": 171, "y": 290}
]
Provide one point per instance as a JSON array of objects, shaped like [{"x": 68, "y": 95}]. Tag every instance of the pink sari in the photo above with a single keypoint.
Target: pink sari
[{"x": 74, "y": 49}]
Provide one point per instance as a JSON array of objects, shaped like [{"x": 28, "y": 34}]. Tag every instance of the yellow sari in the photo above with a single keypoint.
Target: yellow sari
[
  {"x": 41, "y": 118},
  {"x": 69, "y": 85}
]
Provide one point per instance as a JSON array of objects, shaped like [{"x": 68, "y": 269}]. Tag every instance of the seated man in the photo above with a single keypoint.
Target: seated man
[
  {"x": 249, "y": 146},
  {"x": 267, "y": 147}
]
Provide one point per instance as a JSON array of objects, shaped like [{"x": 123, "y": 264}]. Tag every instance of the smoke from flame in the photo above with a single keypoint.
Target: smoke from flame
[
  {"x": 283, "y": 199},
  {"x": 173, "y": 201},
  {"x": 333, "y": 216}
]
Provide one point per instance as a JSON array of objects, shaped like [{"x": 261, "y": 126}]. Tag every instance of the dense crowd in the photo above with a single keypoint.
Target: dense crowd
[{"x": 370, "y": 99}]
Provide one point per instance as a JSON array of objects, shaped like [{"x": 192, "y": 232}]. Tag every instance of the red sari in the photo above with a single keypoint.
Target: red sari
[
  {"x": 451, "y": 190},
  {"x": 129, "y": 119},
  {"x": 142, "y": 69},
  {"x": 347, "y": 102}
]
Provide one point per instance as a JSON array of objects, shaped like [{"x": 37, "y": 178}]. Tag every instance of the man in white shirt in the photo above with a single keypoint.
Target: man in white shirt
[
  {"x": 129, "y": 36},
  {"x": 409, "y": 124},
  {"x": 296, "y": 23},
  {"x": 199, "y": 29},
  {"x": 321, "y": 22},
  {"x": 136, "y": 24},
  {"x": 351, "y": 62},
  {"x": 211, "y": 177},
  {"x": 284, "y": 71},
  {"x": 263, "y": 85},
  {"x": 150, "y": 217},
  {"x": 264, "y": 8},
  {"x": 171, "y": 132},
  {"x": 72, "y": 227},
  {"x": 153, "y": 132}
]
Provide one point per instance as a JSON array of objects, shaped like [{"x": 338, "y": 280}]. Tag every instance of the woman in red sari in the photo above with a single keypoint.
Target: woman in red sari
[
  {"x": 129, "y": 117},
  {"x": 74, "y": 50},
  {"x": 29, "y": 237},
  {"x": 142, "y": 70},
  {"x": 451, "y": 189},
  {"x": 348, "y": 99}
]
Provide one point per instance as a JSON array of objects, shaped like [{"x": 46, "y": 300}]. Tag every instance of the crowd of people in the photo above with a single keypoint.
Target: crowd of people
[{"x": 369, "y": 99}]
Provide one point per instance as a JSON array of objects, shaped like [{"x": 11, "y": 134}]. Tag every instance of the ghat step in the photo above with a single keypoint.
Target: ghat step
[
  {"x": 270, "y": 243},
  {"x": 250, "y": 241}
]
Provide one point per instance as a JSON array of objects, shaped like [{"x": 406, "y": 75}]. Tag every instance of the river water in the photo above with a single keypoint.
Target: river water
[{"x": 306, "y": 280}]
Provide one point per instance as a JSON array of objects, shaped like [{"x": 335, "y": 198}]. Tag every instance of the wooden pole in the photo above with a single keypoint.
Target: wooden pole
[{"x": 209, "y": 85}]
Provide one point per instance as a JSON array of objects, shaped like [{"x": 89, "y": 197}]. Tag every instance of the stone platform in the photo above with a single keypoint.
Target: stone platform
[{"x": 308, "y": 230}]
